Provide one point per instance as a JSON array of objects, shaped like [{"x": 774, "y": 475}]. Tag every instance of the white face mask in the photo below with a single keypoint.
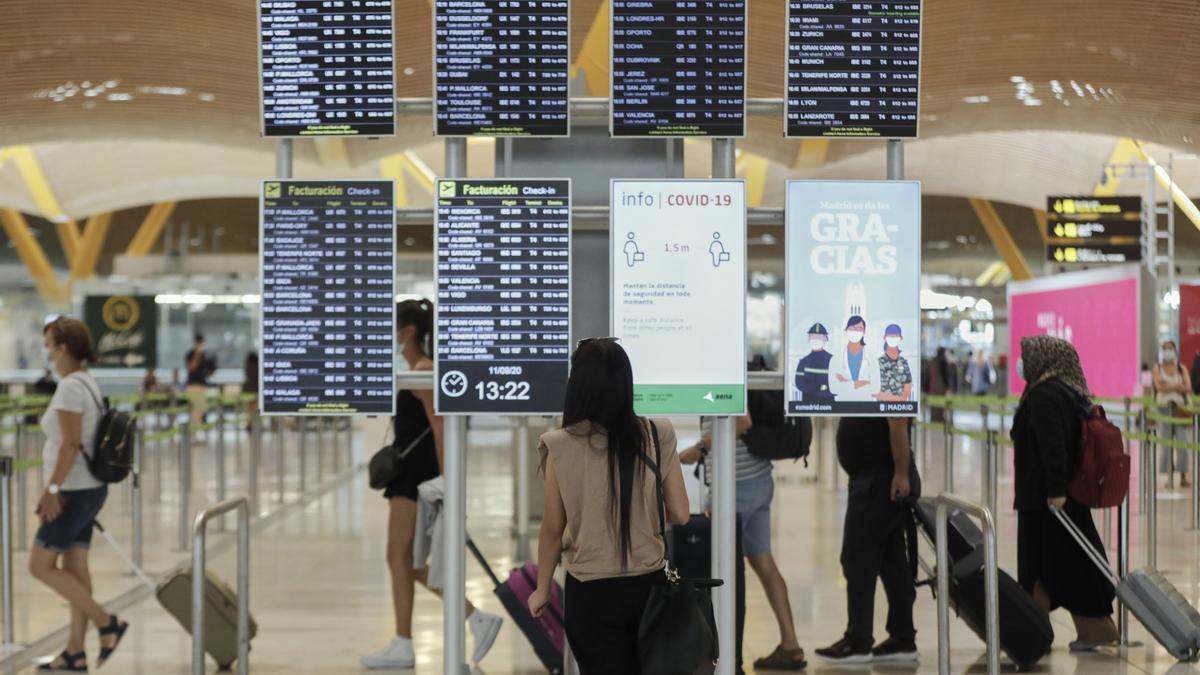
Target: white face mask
[
  {"x": 892, "y": 342},
  {"x": 1021, "y": 368},
  {"x": 816, "y": 345},
  {"x": 854, "y": 336},
  {"x": 1168, "y": 356}
]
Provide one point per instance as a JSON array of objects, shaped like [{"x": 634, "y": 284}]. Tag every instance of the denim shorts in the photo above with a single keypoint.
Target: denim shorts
[
  {"x": 73, "y": 527},
  {"x": 754, "y": 496}
]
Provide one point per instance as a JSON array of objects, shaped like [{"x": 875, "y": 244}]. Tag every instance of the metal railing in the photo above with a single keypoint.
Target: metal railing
[
  {"x": 991, "y": 582},
  {"x": 199, "y": 544}
]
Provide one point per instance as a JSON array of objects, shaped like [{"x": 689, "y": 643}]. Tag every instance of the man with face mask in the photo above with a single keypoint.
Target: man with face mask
[
  {"x": 812, "y": 372},
  {"x": 895, "y": 376},
  {"x": 1171, "y": 387}
]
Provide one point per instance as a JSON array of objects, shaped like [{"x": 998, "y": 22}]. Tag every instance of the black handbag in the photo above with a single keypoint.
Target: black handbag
[
  {"x": 387, "y": 464},
  {"x": 678, "y": 632}
]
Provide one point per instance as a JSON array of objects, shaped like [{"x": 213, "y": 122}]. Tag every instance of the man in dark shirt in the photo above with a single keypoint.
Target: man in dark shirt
[{"x": 200, "y": 366}]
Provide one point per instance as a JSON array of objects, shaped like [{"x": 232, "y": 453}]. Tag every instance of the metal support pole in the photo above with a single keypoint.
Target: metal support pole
[
  {"x": 283, "y": 158},
  {"x": 724, "y": 544},
  {"x": 222, "y": 487},
  {"x": 6, "y": 548},
  {"x": 139, "y": 459},
  {"x": 1152, "y": 510},
  {"x": 523, "y": 487},
  {"x": 200, "y": 539},
  {"x": 1147, "y": 473},
  {"x": 992, "y": 471},
  {"x": 948, "y": 452},
  {"x": 455, "y": 505},
  {"x": 988, "y": 486},
  {"x": 185, "y": 483},
  {"x": 256, "y": 437},
  {"x": 22, "y": 490},
  {"x": 303, "y": 421},
  {"x": 322, "y": 427},
  {"x": 895, "y": 160},
  {"x": 1195, "y": 483},
  {"x": 279, "y": 464},
  {"x": 991, "y": 583},
  {"x": 1123, "y": 565}
]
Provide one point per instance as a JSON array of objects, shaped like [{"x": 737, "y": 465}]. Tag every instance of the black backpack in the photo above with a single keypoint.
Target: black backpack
[
  {"x": 774, "y": 435},
  {"x": 112, "y": 459}
]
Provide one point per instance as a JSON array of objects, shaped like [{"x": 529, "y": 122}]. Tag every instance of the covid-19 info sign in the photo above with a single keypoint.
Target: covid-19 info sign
[{"x": 853, "y": 298}]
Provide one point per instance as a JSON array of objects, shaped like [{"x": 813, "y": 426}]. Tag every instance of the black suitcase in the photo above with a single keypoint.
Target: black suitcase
[
  {"x": 1025, "y": 631},
  {"x": 692, "y": 546}
]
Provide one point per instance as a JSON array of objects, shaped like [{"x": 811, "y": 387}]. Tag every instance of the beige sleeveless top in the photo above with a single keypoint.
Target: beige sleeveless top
[{"x": 591, "y": 541}]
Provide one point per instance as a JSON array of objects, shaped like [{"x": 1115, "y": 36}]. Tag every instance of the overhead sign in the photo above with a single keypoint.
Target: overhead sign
[
  {"x": 504, "y": 296},
  {"x": 328, "y": 297},
  {"x": 327, "y": 68},
  {"x": 677, "y": 253},
  {"x": 1093, "y": 217},
  {"x": 124, "y": 329},
  {"x": 502, "y": 68},
  {"x": 1093, "y": 254},
  {"x": 853, "y": 282},
  {"x": 678, "y": 68},
  {"x": 853, "y": 69}
]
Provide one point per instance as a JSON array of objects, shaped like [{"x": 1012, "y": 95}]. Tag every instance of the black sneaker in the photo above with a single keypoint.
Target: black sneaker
[
  {"x": 843, "y": 651},
  {"x": 892, "y": 650}
]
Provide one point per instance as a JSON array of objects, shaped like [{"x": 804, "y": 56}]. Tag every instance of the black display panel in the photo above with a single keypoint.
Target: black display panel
[
  {"x": 327, "y": 67},
  {"x": 1093, "y": 218},
  {"x": 504, "y": 296},
  {"x": 678, "y": 68},
  {"x": 853, "y": 69},
  {"x": 328, "y": 297},
  {"x": 1092, "y": 254},
  {"x": 502, "y": 68}
]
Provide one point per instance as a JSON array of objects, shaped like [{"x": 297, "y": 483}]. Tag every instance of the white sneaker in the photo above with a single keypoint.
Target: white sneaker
[
  {"x": 398, "y": 654},
  {"x": 484, "y": 628}
]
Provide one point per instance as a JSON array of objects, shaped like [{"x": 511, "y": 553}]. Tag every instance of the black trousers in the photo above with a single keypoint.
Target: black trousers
[
  {"x": 602, "y": 618},
  {"x": 875, "y": 546}
]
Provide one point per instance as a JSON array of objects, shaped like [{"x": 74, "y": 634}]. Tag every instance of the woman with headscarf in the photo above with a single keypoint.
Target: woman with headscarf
[{"x": 1050, "y": 565}]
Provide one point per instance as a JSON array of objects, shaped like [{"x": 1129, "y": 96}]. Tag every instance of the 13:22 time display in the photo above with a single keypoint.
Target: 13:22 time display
[{"x": 502, "y": 391}]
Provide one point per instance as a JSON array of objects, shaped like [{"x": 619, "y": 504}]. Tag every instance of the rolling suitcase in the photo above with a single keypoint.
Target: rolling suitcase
[
  {"x": 1025, "y": 631},
  {"x": 547, "y": 633},
  {"x": 1153, "y": 600}
]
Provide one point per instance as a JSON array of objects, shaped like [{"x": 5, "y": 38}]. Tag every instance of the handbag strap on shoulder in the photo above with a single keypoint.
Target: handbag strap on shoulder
[{"x": 672, "y": 574}]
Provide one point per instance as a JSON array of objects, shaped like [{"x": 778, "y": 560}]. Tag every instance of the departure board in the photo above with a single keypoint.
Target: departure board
[
  {"x": 504, "y": 297},
  {"x": 502, "y": 67},
  {"x": 327, "y": 67},
  {"x": 853, "y": 69},
  {"x": 328, "y": 297},
  {"x": 678, "y": 68}
]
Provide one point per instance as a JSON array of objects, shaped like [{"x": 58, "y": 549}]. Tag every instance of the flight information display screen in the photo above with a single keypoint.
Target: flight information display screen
[
  {"x": 327, "y": 67},
  {"x": 853, "y": 69},
  {"x": 678, "y": 68},
  {"x": 504, "y": 296},
  {"x": 502, "y": 68},
  {"x": 328, "y": 297}
]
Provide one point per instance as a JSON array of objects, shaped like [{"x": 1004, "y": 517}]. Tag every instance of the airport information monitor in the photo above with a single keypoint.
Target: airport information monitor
[
  {"x": 502, "y": 68},
  {"x": 328, "y": 297},
  {"x": 678, "y": 68},
  {"x": 504, "y": 296},
  {"x": 327, "y": 68},
  {"x": 853, "y": 69}
]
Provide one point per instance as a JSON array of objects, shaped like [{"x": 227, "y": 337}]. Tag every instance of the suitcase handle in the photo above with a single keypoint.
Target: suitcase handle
[
  {"x": 482, "y": 562},
  {"x": 1095, "y": 556}
]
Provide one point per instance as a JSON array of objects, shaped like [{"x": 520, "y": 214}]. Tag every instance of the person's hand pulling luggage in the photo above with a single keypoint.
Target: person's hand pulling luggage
[{"x": 538, "y": 601}]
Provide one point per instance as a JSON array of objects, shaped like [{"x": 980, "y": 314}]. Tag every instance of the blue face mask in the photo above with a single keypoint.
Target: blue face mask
[{"x": 1021, "y": 368}]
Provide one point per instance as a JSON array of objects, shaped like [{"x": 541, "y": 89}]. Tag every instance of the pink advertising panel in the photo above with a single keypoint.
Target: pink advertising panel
[
  {"x": 1097, "y": 311},
  {"x": 1189, "y": 323}
]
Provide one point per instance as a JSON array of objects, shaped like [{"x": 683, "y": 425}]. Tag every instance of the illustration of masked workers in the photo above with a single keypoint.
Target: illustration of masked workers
[{"x": 812, "y": 372}]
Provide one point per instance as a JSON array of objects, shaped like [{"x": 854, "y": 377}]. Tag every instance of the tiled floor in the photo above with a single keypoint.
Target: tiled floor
[{"x": 320, "y": 592}]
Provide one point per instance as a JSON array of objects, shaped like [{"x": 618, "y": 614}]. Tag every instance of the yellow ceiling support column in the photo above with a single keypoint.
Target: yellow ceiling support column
[
  {"x": 812, "y": 153},
  {"x": 151, "y": 229},
  {"x": 753, "y": 168},
  {"x": 1001, "y": 239},
  {"x": 593, "y": 54},
  {"x": 1043, "y": 223},
  {"x": 1178, "y": 196},
  {"x": 332, "y": 152},
  {"x": 95, "y": 232},
  {"x": 43, "y": 196},
  {"x": 31, "y": 254}
]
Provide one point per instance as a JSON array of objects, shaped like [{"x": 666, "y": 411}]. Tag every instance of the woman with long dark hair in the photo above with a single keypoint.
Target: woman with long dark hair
[
  {"x": 602, "y": 509},
  {"x": 415, "y": 420}
]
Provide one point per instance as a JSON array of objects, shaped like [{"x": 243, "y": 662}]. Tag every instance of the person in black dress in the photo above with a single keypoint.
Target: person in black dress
[
  {"x": 415, "y": 416},
  {"x": 1050, "y": 564}
]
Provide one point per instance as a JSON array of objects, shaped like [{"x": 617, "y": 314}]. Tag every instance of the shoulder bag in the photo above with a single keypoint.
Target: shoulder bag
[
  {"x": 387, "y": 464},
  {"x": 678, "y": 632}
]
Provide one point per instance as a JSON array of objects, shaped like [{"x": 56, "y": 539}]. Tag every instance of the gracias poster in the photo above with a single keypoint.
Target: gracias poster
[{"x": 853, "y": 298}]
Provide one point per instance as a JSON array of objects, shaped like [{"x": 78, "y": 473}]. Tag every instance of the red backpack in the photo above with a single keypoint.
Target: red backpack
[{"x": 1101, "y": 479}]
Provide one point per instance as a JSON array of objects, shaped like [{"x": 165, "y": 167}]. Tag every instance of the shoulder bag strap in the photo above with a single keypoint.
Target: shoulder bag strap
[
  {"x": 99, "y": 406},
  {"x": 661, "y": 501}
]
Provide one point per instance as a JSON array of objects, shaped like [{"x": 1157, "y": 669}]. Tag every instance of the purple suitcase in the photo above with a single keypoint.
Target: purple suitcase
[{"x": 547, "y": 633}]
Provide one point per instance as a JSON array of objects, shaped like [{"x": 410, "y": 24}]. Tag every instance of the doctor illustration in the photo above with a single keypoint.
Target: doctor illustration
[{"x": 854, "y": 372}]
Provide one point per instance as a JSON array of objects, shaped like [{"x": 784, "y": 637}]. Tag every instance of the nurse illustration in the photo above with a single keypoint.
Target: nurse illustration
[{"x": 854, "y": 371}]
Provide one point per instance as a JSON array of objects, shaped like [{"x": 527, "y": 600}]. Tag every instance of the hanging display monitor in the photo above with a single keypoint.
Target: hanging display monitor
[
  {"x": 328, "y": 297},
  {"x": 853, "y": 69},
  {"x": 504, "y": 296},
  {"x": 1093, "y": 218},
  {"x": 853, "y": 281},
  {"x": 327, "y": 68},
  {"x": 502, "y": 68},
  {"x": 1091, "y": 253},
  {"x": 678, "y": 68},
  {"x": 677, "y": 255},
  {"x": 124, "y": 329}
]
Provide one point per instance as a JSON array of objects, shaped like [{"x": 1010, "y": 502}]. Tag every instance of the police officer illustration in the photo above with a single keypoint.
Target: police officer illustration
[{"x": 812, "y": 373}]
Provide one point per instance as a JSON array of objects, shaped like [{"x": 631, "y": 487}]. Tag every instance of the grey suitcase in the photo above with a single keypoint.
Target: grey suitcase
[
  {"x": 220, "y": 613},
  {"x": 1155, "y": 602}
]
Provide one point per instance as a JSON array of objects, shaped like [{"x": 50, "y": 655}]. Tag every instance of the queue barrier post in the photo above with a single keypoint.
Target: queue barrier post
[
  {"x": 1152, "y": 504},
  {"x": 322, "y": 427},
  {"x": 523, "y": 487},
  {"x": 185, "y": 481},
  {"x": 222, "y": 486},
  {"x": 280, "y": 431},
  {"x": 135, "y": 491},
  {"x": 1143, "y": 456},
  {"x": 989, "y": 484},
  {"x": 1195, "y": 482},
  {"x": 303, "y": 421},
  {"x": 991, "y": 584},
  {"x": 256, "y": 434},
  {"x": 199, "y": 545},
  {"x": 1123, "y": 566},
  {"x": 6, "y": 549},
  {"x": 947, "y": 448},
  {"x": 22, "y": 491}
]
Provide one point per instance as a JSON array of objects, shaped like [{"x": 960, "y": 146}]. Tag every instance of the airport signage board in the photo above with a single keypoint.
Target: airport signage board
[
  {"x": 852, "y": 298},
  {"x": 124, "y": 329},
  {"x": 328, "y": 297},
  {"x": 1097, "y": 311},
  {"x": 326, "y": 68},
  {"x": 853, "y": 69},
  {"x": 677, "y": 257},
  {"x": 502, "y": 68},
  {"x": 678, "y": 68},
  {"x": 1088, "y": 253},
  {"x": 503, "y": 332},
  {"x": 1093, "y": 217},
  {"x": 1189, "y": 324}
]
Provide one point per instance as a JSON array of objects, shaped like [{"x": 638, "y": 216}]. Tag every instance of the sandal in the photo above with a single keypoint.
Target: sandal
[
  {"x": 71, "y": 663},
  {"x": 115, "y": 627},
  {"x": 782, "y": 659}
]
